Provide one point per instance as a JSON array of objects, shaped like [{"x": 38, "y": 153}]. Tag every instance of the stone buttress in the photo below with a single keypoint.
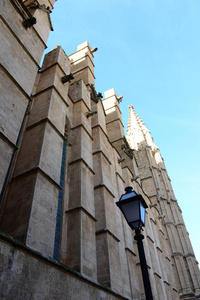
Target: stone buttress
[
  {"x": 113, "y": 234},
  {"x": 30, "y": 208},
  {"x": 23, "y": 41},
  {"x": 157, "y": 185},
  {"x": 80, "y": 249},
  {"x": 64, "y": 164},
  {"x": 109, "y": 233},
  {"x": 130, "y": 176}
]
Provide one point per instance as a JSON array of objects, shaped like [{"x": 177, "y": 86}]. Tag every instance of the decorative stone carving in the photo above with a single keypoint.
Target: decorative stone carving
[
  {"x": 93, "y": 94},
  {"x": 90, "y": 113},
  {"x": 67, "y": 78},
  {"x": 35, "y": 5},
  {"x": 121, "y": 160},
  {"x": 127, "y": 148},
  {"x": 29, "y": 20}
]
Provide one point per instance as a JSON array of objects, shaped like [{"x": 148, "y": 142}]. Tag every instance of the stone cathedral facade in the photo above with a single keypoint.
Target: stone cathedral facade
[{"x": 64, "y": 163}]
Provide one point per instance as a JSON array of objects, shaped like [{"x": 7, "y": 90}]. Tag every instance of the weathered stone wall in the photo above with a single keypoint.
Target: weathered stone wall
[
  {"x": 20, "y": 54},
  {"x": 36, "y": 177},
  {"x": 69, "y": 164},
  {"x": 25, "y": 274}
]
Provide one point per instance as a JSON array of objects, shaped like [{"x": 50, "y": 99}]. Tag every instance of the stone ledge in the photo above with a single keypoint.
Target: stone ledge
[
  {"x": 153, "y": 195},
  {"x": 179, "y": 224},
  {"x": 99, "y": 126},
  {"x": 84, "y": 128},
  {"x": 7, "y": 141},
  {"x": 81, "y": 69},
  {"x": 158, "y": 275},
  {"x": 148, "y": 265},
  {"x": 187, "y": 296},
  {"x": 118, "y": 119},
  {"x": 159, "y": 249},
  {"x": 167, "y": 258},
  {"x": 177, "y": 254},
  {"x": 127, "y": 167},
  {"x": 82, "y": 100},
  {"x": 106, "y": 230},
  {"x": 117, "y": 173},
  {"x": 50, "y": 66},
  {"x": 101, "y": 152},
  {"x": 46, "y": 120},
  {"x": 147, "y": 177},
  {"x": 84, "y": 162},
  {"x": 49, "y": 88},
  {"x": 102, "y": 185},
  {"x": 82, "y": 209},
  {"x": 114, "y": 106},
  {"x": 131, "y": 251},
  {"x": 38, "y": 170},
  {"x": 161, "y": 232},
  {"x": 169, "y": 223},
  {"x": 150, "y": 238},
  {"x": 80, "y": 58},
  {"x": 189, "y": 255}
]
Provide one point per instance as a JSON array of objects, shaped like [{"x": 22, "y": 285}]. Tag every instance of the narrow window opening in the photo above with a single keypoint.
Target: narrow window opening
[{"x": 60, "y": 204}]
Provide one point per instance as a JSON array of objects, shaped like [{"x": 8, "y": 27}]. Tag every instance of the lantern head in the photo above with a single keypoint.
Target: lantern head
[{"x": 133, "y": 207}]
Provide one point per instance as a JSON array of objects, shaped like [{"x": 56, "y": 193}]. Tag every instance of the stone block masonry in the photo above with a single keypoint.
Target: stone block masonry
[
  {"x": 64, "y": 163},
  {"x": 27, "y": 274}
]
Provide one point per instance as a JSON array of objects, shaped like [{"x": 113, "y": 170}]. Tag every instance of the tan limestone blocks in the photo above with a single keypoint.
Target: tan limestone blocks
[
  {"x": 82, "y": 66},
  {"x": 80, "y": 214},
  {"x": 12, "y": 109}
]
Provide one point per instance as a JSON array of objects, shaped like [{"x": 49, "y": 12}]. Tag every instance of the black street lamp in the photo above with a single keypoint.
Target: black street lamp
[{"x": 133, "y": 208}]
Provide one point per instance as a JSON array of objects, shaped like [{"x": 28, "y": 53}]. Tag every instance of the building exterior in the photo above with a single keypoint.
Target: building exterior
[{"x": 64, "y": 163}]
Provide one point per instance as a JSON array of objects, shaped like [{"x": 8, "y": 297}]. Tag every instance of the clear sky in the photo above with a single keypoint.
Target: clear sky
[{"x": 149, "y": 51}]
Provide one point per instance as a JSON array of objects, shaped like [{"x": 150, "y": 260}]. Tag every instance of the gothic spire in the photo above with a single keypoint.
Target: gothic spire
[{"x": 138, "y": 134}]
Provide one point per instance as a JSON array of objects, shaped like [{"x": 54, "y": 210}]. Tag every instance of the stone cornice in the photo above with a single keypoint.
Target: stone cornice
[{"x": 106, "y": 230}]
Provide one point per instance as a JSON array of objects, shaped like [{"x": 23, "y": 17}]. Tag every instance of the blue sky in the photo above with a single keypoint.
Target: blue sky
[{"x": 149, "y": 51}]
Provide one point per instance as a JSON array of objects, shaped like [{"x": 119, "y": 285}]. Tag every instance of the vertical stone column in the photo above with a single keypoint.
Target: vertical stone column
[
  {"x": 81, "y": 245},
  {"x": 111, "y": 159},
  {"x": 82, "y": 65},
  {"x": 105, "y": 191},
  {"x": 114, "y": 125},
  {"x": 80, "y": 248},
  {"x": 31, "y": 204}
]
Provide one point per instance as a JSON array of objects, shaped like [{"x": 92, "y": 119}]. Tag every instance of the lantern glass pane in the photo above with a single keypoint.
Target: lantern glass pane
[
  {"x": 128, "y": 195},
  {"x": 142, "y": 212},
  {"x": 131, "y": 211}
]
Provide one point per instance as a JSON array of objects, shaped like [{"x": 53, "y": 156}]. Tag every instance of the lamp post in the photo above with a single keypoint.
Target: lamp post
[{"x": 133, "y": 208}]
